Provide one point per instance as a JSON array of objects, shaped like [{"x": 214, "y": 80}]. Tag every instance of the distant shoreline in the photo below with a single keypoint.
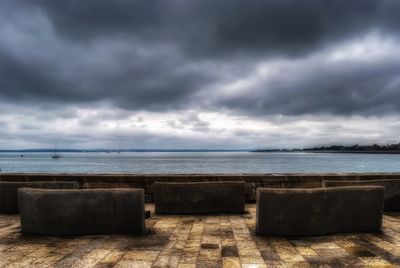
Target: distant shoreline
[
  {"x": 325, "y": 151},
  {"x": 356, "y": 152},
  {"x": 202, "y": 151},
  {"x": 353, "y": 149},
  {"x": 119, "y": 150}
]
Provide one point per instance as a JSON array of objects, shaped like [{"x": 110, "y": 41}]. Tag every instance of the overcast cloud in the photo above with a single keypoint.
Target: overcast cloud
[{"x": 199, "y": 74}]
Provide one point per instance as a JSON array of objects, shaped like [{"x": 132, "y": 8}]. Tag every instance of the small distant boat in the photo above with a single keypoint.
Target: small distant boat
[{"x": 55, "y": 155}]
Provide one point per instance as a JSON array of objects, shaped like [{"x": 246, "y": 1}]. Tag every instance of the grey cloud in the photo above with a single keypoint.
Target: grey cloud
[
  {"x": 99, "y": 116},
  {"x": 210, "y": 27},
  {"x": 194, "y": 121},
  {"x": 173, "y": 124},
  {"x": 190, "y": 121},
  {"x": 30, "y": 131},
  {"x": 320, "y": 87},
  {"x": 174, "y": 55}
]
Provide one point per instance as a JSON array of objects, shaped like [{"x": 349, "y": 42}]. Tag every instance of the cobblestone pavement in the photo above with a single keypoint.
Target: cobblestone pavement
[{"x": 200, "y": 241}]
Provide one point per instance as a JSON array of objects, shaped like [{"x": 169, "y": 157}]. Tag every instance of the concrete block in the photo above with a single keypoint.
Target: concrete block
[
  {"x": 199, "y": 197},
  {"x": 78, "y": 212},
  {"x": 392, "y": 190},
  {"x": 9, "y": 192},
  {"x": 318, "y": 211}
]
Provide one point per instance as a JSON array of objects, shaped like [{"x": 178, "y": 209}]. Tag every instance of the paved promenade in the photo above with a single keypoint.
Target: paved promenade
[{"x": 200, "y": 241}]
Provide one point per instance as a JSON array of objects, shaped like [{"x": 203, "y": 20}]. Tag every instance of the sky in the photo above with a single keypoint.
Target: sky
[{"x": 177, "y": 74}]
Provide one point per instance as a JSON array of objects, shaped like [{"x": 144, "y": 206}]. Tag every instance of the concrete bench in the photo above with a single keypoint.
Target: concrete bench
[
  {"x": 392, "y": 190},
  {"x": 77, "y": 212},
  {"x": 304, "y": 212},
  {"x": 9, "y": 192},
  {"x": 199, "y": 197}
]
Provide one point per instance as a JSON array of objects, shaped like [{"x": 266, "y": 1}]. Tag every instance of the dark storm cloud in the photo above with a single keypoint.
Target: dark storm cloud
[
  {"x": 325, "y": 88},
  {"x": 30, "y": 80},
  {"x": 222, "y": 27},
  {"x": 166, "y": 55}
]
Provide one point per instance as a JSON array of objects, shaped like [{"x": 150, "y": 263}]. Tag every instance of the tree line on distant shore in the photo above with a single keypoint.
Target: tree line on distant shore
[
  {"x": 389, "y": 148},
  {"x": 358, "y": 148}
]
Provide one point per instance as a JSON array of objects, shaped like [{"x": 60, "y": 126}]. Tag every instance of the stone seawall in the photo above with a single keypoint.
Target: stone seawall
[{"x": 146, "y": 181}]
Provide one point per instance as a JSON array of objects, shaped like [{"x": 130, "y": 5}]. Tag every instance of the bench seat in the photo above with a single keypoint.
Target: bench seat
[
  {"x": 78, "y": 212},
  {"x": 9, "y": 191},
  {"x": 199, "y": 197},
  {"x": 392, "y": 190},
  {"x": 318, "y": 211}
]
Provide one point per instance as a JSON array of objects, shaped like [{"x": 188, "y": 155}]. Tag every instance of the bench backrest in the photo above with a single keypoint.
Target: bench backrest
[
  {"x": 199, "y": 197},
  {"x": 9, "y": 191},
  {"x": 88, "y": 211},
  {"x": 302, "y": 212},
  {"x": 392, "y": 190}
]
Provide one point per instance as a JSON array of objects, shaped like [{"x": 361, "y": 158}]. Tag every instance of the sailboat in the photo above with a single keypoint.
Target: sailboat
[{"x": 55, "y": 155}]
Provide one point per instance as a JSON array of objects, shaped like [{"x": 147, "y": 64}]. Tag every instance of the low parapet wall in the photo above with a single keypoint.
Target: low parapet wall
[{"x": 146, "y": 181}]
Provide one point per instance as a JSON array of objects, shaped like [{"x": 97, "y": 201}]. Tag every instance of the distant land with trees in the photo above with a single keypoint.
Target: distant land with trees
[
  {"x": 47, "y": 150},
  {"x": 373, "y": 149}
]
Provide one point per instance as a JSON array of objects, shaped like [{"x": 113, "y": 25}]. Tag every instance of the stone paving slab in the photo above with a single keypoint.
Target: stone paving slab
[{"x": 200, "y": 241}]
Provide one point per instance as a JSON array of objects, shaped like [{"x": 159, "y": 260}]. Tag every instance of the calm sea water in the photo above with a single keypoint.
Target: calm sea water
[{"x": 213, "y": 162}]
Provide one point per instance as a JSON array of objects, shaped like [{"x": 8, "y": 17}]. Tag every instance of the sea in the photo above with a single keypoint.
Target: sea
[{"x": 198, "y": 162}]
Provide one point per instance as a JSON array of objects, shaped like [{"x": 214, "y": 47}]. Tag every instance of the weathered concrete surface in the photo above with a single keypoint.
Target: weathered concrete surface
[
  {"x": 392, "y": 190},
  {"x": 75, "y": 212},
  {"x": 146, "y": 181},
  {"x": 199, "y": 197},
  {"x": 177, "y": 241},
  {"x": 9, "y": 192},
  {"x": 304, "y": 212}
]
